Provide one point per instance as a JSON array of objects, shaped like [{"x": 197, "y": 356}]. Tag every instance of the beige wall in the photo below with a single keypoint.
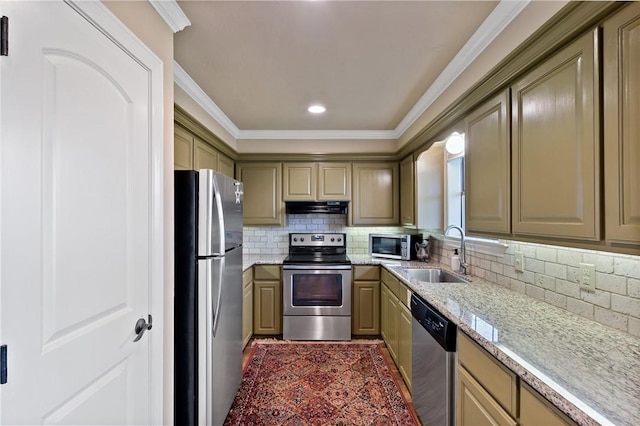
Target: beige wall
[
  {"x": 148, "y": 26},
  {"x": 187, "y": 103}
]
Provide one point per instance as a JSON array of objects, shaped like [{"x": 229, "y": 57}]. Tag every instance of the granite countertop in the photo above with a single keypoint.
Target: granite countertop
[
  {"x": 589, "y": 371},
  {"x": 261, "y": 259}
]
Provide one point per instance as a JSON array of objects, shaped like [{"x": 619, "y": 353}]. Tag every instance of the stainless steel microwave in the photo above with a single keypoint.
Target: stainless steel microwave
[{"x": 394, "y": 246}]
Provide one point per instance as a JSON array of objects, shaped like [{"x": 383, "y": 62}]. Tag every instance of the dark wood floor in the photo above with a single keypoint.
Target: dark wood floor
[{"x": 385, "y": 352}]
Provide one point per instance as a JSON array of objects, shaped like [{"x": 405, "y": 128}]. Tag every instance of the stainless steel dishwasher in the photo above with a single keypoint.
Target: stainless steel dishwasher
[{"x": 433, "y": 357}]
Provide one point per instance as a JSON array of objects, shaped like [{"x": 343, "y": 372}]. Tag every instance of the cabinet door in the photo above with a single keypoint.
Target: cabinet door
[
  {"x": 384, "y": 311},
  {"x": 365, "y": 315},
  {"x": 247, "y": 306},
  {"x": 204, "y": 156},
  {"x": 334, "y": 181},
  {"x": 622, "y": 125},
  {"x": 407, "y": 192},
  {"x": 535, "y": 410},
  {"x": 555, "y": 157},
  {"x": 225, "y": 165},
  {"x": 475, "y": 406},
  {"x": 262, "y": 193},
  {"x": 300, "y": 181},
  {"x": 375, "y": 194},
  {"x": 488, "y": 168},
  {"x": 182, "y": 149},
  {"x": 404, "y": 343},
  {"x": 267, "y": 305},
  {"x": 390, "y": 319}
]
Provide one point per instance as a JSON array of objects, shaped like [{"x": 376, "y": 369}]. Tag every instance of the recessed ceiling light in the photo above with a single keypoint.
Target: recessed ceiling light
[{"x": 316, "y": 109}]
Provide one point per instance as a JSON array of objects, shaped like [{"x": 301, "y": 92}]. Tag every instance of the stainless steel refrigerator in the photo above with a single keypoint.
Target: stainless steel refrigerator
[{"x": 208, "y": 295}]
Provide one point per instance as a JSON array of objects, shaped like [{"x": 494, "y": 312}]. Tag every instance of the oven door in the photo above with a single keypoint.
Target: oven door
[{"x": 316, "y": 290}]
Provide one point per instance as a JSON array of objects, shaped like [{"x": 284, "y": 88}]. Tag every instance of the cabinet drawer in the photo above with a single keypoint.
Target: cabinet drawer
[
  {"x": 366, "y": 273},
  {"x": 397, "y": 287},
  {"x": 247, "y": 277},
  {"x": 391, "y": 281},
  {"x": 498, "y": 380},
  {"x": 266, "y": 272}
]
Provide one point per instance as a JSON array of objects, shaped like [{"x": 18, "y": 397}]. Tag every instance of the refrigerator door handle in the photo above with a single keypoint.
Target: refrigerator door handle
[
  {"x": 215, "y": 308},
  {"x": 220, "y": 215}
]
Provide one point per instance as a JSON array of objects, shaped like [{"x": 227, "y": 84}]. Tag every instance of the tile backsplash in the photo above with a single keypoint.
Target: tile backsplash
[
  {"x": 275, "y": 240},
  {"x": 552, "y": 274}
]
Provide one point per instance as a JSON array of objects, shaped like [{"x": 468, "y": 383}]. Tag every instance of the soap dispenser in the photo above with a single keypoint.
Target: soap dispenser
[{"x": 455, "y": 260}]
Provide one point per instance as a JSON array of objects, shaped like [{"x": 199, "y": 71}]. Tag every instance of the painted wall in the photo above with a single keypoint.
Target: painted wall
[
  {"x": 150, "y": 28},
  {"x": 187, "y": 103},
  {"x": 551, "y": 274}
]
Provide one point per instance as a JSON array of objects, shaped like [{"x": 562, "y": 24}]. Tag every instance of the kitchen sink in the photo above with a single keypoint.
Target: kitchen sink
[{"x": 434, "y": 275}]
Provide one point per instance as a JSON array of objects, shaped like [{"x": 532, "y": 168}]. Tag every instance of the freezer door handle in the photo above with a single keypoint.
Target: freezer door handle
[{"x": 215, "y": 309}]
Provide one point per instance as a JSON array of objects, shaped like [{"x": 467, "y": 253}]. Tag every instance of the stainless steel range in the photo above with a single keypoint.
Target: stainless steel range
[{"x": 317, "y": 288}]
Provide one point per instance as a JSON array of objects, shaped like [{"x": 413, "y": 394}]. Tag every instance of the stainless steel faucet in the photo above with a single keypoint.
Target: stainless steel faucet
[{"x": 463, "y": 263}]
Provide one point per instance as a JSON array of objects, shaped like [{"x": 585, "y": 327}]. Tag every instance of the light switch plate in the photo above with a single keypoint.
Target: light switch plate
[
  {"x": 588, "y": 277},
  {"x": 519, "y": 261}
]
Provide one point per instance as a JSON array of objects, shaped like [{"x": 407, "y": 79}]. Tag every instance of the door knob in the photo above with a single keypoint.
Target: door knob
[{"x": 141, "y": 327}]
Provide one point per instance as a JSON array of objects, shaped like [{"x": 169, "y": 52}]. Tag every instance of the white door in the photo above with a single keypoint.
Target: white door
[{"x": 77, "y": 222}]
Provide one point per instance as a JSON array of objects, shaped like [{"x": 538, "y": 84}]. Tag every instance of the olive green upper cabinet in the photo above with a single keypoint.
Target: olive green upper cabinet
[
  {"x": 226, "y": 165},
  {"x": 407, "y": 192},
  {"x": 317, "y": 181},
  {"x": 262, "y": 193},
  {"x": 193, "y": 153},
  {"x": 183, "y": 149},
  {"x": 300, "y": 181},
  {"x": 375, "y": 194},
  {"x": 555, "y": 149},
  {"x": 488, "y": 171},
  {"x": 204, "y": 156},
  {"x": 622, "y": 125},
  {"x": 334, "y": 181}
]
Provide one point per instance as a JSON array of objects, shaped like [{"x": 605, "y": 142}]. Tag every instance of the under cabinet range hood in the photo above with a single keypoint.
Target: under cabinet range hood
[{"x": 327, "y": 207}]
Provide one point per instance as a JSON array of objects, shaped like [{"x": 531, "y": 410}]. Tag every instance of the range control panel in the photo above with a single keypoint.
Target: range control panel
[{"x": 317, "y": 240}]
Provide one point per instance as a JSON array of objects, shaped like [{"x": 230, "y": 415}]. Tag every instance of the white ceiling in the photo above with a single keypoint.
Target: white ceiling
[{"x": 375, "y": 65}]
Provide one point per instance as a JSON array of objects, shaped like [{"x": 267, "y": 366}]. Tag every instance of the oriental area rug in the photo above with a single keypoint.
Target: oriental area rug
[{"x": 304, "y": 383}]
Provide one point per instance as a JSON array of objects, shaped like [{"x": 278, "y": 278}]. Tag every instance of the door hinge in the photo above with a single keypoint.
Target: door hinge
[
  {"x": 4, "y": 36},
  {"x": 3, "y": 364}
]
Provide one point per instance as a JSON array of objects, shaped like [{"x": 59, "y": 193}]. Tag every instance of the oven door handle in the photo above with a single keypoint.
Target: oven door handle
[{"x": 313, "y": 267}]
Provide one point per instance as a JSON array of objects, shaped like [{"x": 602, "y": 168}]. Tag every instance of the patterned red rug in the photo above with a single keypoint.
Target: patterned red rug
[{"x": 319, "y": 384}]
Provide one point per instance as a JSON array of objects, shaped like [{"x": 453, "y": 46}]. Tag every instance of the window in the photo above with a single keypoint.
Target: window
[{"x": 455, "y": 188}]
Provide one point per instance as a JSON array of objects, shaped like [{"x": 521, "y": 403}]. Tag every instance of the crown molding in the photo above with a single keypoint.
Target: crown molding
[
  {"x": 317, "y": 134},
  {"x": 495, "y": 23},
  {"x": 186, "y": 83},
  {"x": 172, "y": 14}
]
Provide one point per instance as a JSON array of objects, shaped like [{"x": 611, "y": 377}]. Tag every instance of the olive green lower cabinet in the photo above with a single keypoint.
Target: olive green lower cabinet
[
  {"x": 395, "y": 323},
  {"x": 267, "y": 300},
  {"x": 488, "y": 393},
  {"x": 247, "y": 306},
  {"x": 365, "y": 302}
]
